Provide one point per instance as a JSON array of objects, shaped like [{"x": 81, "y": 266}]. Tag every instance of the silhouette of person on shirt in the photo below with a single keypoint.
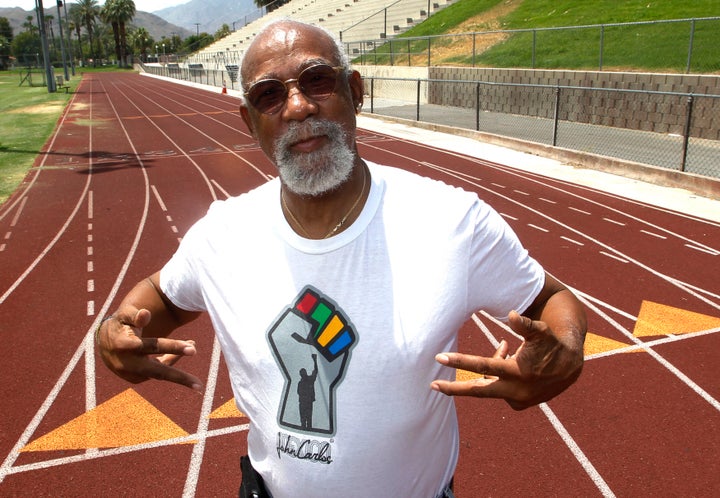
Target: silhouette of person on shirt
[{"x": 306, "y": 394}]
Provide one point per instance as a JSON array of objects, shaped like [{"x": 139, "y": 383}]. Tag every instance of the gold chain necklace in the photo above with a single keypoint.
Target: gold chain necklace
[{"x": 340, "y": 223}]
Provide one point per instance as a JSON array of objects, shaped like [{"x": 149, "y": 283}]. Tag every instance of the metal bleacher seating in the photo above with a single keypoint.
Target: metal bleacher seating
[{"x": 351, "y": 20}]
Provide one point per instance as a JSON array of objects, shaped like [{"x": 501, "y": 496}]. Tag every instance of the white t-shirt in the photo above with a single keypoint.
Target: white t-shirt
[{"x": 330, "y": 344}]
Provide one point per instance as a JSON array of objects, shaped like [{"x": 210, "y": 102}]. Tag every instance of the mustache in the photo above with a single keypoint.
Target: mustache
[{"x": 298, "y": 131}]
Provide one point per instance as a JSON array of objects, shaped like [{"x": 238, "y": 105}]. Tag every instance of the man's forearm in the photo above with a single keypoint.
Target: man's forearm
[{"x": 166, "y": 317}]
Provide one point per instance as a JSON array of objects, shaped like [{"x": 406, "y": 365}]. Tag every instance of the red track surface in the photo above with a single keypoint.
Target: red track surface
[{"x": 135, "y": 161}]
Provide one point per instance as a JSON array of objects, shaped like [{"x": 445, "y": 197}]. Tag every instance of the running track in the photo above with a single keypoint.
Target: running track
[{"x": 136, "y": 160}]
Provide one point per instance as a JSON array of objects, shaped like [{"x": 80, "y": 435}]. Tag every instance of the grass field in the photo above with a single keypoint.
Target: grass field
[
  {"x": 660, "y": 47},
  {"x": 28, "y": 114},
  {"x": 28, "y": 117}
]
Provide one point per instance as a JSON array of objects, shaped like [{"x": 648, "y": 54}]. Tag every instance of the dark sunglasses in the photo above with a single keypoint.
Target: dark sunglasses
[{"x": 315, "y": 82}]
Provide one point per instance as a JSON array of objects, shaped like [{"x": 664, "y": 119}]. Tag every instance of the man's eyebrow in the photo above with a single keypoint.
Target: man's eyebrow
[{"x": 273, "y": 75}]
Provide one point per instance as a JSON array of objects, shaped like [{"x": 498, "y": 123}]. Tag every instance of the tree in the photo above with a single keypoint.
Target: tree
[
  {"x": 222, "y": 32},
  {"x": 118, "y": 13},
  {"x": 29, "y": 26},
  {"x": 87, "y": 14},
  {"x": 270, "y": 5},
  {"x": 141, "y": 42},
  {"x": 27, "y": 48}
]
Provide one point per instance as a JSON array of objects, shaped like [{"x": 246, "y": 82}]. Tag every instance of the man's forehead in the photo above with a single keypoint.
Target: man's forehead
[{"x": 283, "y": 43}]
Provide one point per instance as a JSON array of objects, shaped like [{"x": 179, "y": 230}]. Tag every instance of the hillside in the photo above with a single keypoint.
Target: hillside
[
  {"x": 657, "y": 47},
  {"x": 156, "y": 26}
]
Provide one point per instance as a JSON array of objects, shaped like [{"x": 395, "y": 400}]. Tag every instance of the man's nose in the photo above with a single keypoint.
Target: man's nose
[{"x": 297, "y": 104}]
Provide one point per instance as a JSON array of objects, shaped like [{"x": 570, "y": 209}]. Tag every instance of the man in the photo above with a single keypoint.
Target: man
[{"x": 360, "y": 272}]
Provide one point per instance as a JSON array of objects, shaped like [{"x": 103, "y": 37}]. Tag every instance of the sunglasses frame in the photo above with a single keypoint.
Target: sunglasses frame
[{"x": 274, "y": 109}]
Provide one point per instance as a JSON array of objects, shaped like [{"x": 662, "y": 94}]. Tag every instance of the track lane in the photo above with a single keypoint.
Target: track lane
[{"x": 528, "y": 437}]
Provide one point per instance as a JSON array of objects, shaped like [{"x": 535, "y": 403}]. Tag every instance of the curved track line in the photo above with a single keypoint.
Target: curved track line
[
  {"x": 569, "y": 441},
  {"x": 64, "y": 227},
  {"x": 26, "y": 186},
  {"x": 222, "y": 145}
]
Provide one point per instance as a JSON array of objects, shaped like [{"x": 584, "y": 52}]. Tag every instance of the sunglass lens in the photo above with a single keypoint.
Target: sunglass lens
[
  {"x": 267, "y": 96},
  {"x": 318, "y": 82}
]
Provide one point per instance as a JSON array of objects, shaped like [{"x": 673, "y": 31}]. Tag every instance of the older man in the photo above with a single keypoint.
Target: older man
[{"x": 359, "y": 273}]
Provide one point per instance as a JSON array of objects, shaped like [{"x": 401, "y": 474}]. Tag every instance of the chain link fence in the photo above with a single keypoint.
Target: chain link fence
[
  {"x": 678, "y": 45},
  {"x": 679, "y": 131}
]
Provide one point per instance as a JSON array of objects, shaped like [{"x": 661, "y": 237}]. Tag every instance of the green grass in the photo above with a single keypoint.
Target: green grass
[
  {"x": 28, "y": 115},
  {"x": 661, "y": 47}
]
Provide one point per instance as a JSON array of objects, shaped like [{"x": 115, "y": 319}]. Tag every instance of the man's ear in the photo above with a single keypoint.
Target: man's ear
[
  {"x": 245, "y": 114},
  {"x": 357, "y": 90}
]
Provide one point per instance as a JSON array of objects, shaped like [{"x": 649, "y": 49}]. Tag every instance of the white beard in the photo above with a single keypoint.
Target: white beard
[{"x": 314, "y": 173}]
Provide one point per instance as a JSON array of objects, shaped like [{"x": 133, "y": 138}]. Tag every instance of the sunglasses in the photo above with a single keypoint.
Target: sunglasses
[{"x": 315, "y": 82}]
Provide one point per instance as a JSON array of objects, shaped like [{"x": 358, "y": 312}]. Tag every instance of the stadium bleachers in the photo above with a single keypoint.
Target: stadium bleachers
[{"x": 351, "y": 20}]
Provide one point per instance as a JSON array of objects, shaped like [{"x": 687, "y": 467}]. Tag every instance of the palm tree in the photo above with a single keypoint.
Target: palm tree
[
  {"x": 88, "y": 12},
  {"x": 118, "y": 13},
  {"x": 141, "y": 42}
]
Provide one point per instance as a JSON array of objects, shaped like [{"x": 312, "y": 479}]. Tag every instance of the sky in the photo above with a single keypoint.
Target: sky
[{"x": 143, "y": 5}]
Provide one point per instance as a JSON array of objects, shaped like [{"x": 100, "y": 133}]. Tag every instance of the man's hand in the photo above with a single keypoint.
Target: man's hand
[
  {"x": 541, "y": 368},
  {"x": 135, "y": 358}
]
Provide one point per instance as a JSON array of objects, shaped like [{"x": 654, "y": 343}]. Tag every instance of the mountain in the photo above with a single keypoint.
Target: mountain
[
  {"x": 156, "y": 26},
  {"x": 209, "y": 15}
]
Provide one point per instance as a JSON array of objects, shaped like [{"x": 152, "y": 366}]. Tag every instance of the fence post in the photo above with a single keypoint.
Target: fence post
[
  {"x": 533, "y": 47},
  {"x": 686, "y": 134},
  {"x": 429, "y": 40},
  {"x": 417, "y": 102},
  {"x": 690, "y": 45},
  {"x": 473, "y": 56},
  {"x": 372, "y": 95},
  {"x": 556, "y": 117},
  {"x": 602, "y": 44},
  {"x": 477, "y": 106}
]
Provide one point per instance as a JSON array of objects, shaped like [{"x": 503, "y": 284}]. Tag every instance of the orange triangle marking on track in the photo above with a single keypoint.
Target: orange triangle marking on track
[
  {"x": 125, "y": 420},
  {"x": 595, "y": 344},
  {"x": 227, "y": 410},
  {"x": 658, "y": 319}
]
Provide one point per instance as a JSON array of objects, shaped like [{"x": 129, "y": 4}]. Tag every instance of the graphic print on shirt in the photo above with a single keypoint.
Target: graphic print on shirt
[{"x": 311, "y": 342}]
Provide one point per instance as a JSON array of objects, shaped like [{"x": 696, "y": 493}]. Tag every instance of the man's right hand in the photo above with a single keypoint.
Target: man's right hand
[{"x": 135, "y": 358}]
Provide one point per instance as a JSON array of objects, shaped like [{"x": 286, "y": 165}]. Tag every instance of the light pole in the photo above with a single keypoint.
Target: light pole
[
  {"x": 62, "y": 41},
  {"x": 52, "y": 88}
]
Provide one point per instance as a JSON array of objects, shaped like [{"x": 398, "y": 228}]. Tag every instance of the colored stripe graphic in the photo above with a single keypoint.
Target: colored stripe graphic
[{"x": 331, "y": 333}]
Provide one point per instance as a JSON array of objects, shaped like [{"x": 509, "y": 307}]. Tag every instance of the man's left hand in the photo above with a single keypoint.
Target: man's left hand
[{"x": 540, "y": 369}]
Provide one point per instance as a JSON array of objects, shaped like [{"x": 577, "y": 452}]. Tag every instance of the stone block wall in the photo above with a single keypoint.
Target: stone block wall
[{"x": 581, "y": 97}]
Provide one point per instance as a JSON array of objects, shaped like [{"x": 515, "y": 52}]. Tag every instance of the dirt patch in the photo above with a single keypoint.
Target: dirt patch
[
  {"x": 484, "y": 23},
  {"x": 39, "y": 109}
]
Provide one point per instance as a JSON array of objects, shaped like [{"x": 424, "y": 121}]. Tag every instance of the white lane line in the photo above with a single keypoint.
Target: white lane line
[
  {"x": 547, "y": 200},
  {"x": 19, "y": 211},
  {"x": 578, "y": 210},
  {"x": 538, "y": 228},
  {"x": 498, "y": 185},
  {"x": 702, "y": 249},
  {"x": 573, "y": 241},
  {"x": 225, "y": 192},
  {"x": 505, "y": 215},
  {"x": 577, "y": 452},
  {"x": 554, "y": 420},
  {"x": 103, "y": 453},
  {"x": 617, "y": 258},
  {"x": 610, "y": 220},
  {"x": 520, "y": 192},
  {"x": 656, "y": 356},
  {"x": 653, "y": 234},
  {"x": 159, "y": 199}
]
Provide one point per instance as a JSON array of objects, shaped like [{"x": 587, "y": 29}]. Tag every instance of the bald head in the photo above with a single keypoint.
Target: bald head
[{"x": 283, "y": 36}]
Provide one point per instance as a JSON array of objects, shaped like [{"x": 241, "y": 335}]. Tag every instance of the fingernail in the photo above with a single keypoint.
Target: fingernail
[{"x": 442, "y": 358}]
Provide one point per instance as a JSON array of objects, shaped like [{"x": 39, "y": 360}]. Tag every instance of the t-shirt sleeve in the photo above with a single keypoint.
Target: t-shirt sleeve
[
  {"x": 502, "y": 275},
  {"x": 180, "y": 278}
]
